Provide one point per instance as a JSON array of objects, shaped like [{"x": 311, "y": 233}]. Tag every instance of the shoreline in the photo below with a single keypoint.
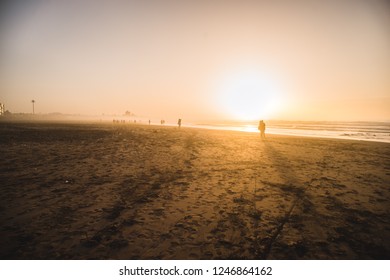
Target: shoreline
[
  {"x": 205, "y": 126},
  {"x": 340, "y": 137}
]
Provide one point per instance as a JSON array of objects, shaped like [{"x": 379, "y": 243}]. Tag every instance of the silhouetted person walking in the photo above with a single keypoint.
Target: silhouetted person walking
[
  {"x": 261, "y": 128},
  {"x": 179, "y": 123}
]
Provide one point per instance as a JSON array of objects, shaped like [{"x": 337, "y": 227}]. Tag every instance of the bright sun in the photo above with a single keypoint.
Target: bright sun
[{"x": 249, "y": 95}]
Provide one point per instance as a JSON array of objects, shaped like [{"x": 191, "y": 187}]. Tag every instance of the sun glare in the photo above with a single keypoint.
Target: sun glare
[{"x": 249, "y": 95}]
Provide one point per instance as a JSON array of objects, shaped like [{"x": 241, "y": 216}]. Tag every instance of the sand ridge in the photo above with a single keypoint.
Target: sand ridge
[{"x": 105, "y": 191}]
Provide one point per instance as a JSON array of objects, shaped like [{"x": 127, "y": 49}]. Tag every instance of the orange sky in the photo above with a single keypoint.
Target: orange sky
[{"x": 317, "y": 60}]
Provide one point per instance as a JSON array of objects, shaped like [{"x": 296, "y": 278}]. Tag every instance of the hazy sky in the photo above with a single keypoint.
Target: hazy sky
[{"x": 199, "y": 60}]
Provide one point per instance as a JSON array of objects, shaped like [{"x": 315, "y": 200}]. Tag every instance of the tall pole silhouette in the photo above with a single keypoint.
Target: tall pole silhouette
[{"x": 33, "y": 101}]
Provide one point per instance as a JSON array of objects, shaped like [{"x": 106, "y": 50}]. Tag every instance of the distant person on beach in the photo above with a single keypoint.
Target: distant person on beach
[
  {"x": 179, "y": 123},
  {"x": 261, "y": 128}
]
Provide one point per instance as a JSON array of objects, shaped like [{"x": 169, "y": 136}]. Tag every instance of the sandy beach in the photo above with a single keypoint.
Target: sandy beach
[{"x": 125, "y": 191}]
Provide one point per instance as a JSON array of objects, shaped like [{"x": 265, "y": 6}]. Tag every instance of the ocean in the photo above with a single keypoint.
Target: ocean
[{"x": 364, "y": 131}]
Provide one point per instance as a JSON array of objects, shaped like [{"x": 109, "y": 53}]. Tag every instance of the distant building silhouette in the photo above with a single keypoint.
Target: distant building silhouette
[
  {"x": 128, "y": 113},
  {"x": 2, "y": 109}
]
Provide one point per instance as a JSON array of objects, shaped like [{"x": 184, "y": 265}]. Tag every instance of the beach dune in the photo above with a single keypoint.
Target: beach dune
[{"x": 121, "y": 191}]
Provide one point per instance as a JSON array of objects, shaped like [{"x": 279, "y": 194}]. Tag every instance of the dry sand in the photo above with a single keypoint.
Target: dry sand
[{"x": 105, "y": 191}]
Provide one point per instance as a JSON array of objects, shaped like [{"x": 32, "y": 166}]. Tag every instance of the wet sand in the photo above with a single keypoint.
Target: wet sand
[{"x": 121, "y": 191}]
